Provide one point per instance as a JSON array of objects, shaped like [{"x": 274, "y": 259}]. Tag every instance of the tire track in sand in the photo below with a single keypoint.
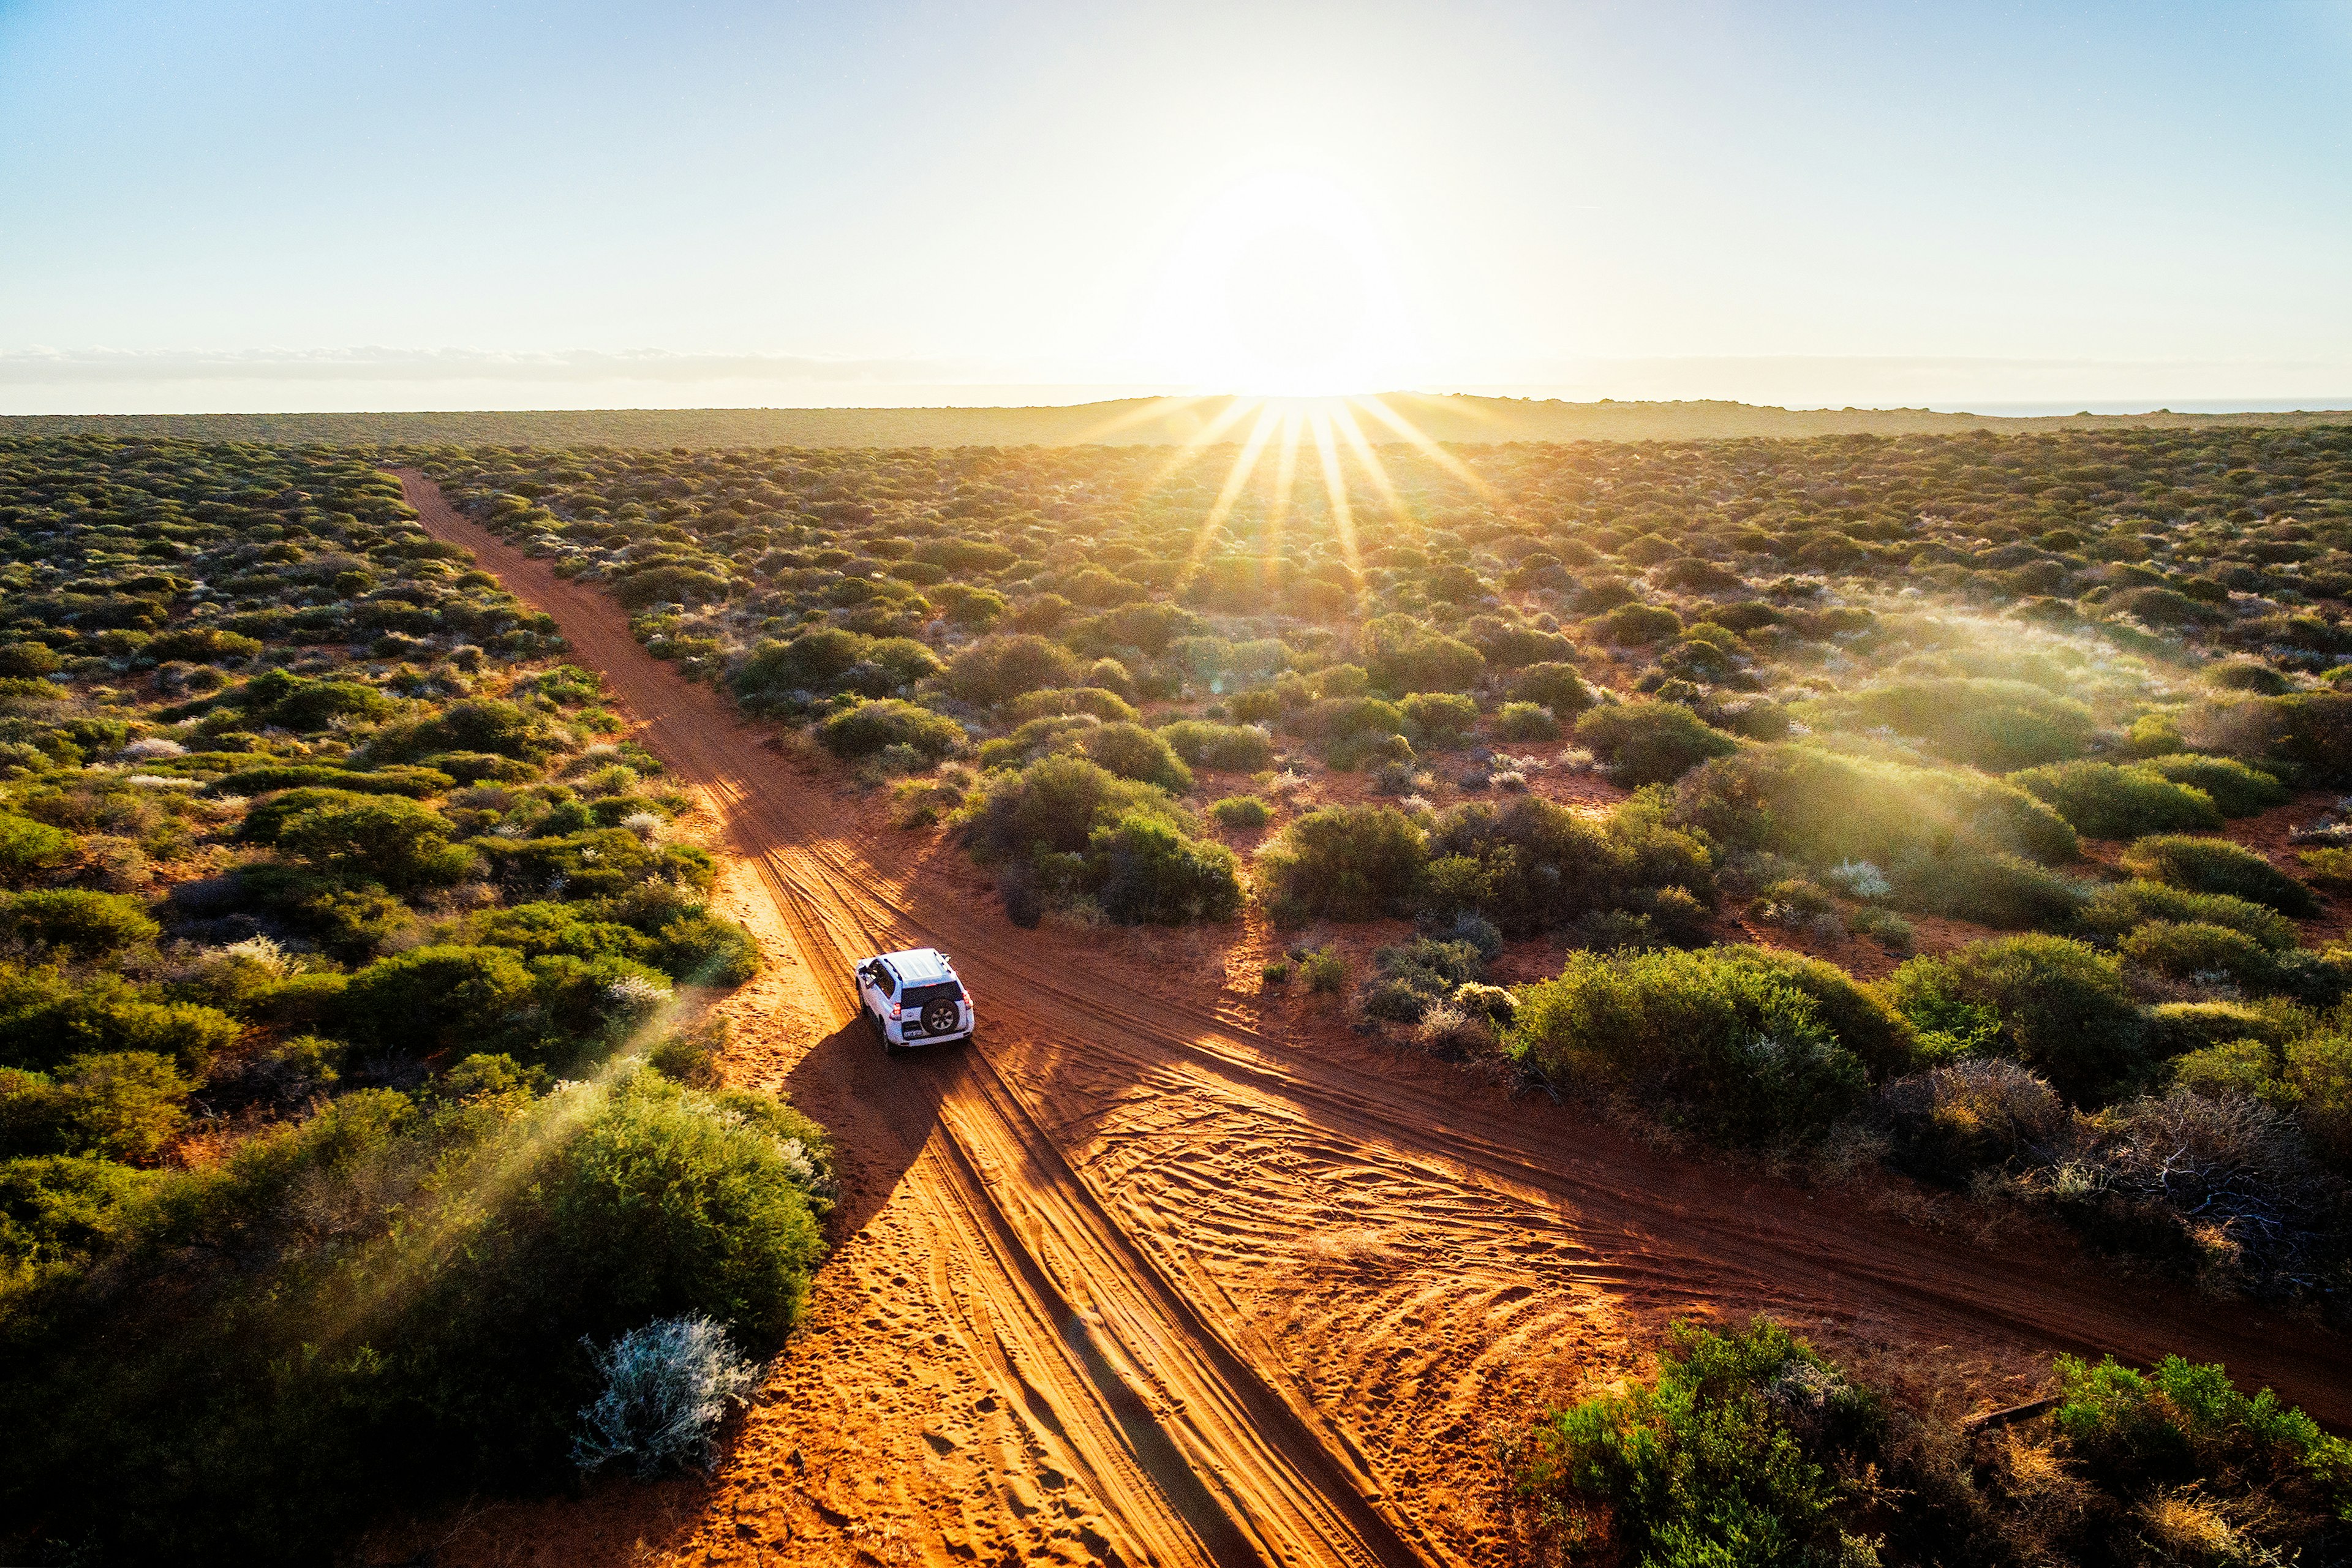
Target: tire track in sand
[{"x": 1353, "y": 1252}]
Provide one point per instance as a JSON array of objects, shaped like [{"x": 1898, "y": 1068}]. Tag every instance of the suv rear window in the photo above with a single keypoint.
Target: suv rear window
[{"x": 918, "y": 998}]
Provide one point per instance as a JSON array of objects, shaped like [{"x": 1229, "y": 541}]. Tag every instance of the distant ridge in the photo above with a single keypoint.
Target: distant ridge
[{"x": 1448, "y": 417}]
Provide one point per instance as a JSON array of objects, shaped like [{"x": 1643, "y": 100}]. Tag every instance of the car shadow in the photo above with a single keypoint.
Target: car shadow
[{"x": 880, "y": 1110}]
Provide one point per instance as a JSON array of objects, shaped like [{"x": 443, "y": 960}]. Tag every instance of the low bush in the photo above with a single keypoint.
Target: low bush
[
  {"x": 1554, "y": 686},
  {"x": 871, "y": 727},
  {"x": 85, "y": 923},
  {"x": 1525, "y": 722},
  {"x": 1532, "y": 866},
  {"x": 1744, "y": 1448},
  {"x": 2183, "y": 1444},
  {"x": 1226, "y": 748},
  {"x": 618, "y": 1206},
  {"x": 1716, "y": 1040},
  {"x": 1241, "y": 813},
  {"x": 2235, "y": 788},
  {"x": 2001, "y": 724},
  {"x": 998, "y": 668},
  {"x": 1344, "y": 862},
  {"x": 48, "y": 1016},
  {"x": 2207, "y": 955},
  {"x": 668, "y": 1385},
  {"x": 2101, "y": 800},
  {"x": 1063, "y": 828},
  {"x": 1091, "y": 701},
  {"x": 1438, "y": 720},
  {"x": 29, "y": 848},
  {"x": 1132, "y": 752},
  {"x": 1750, "y": 1448},
  {"x": 2058, "y": 1006},
  {"x": 1325, "y": 970},
  {"x": 2217, "y": 866},
  {"x": 1950, "y": 843},
  {"x": 382, "y": 838},
  {"x": 1637, "y": 626},
  {"x": 1650, "y": 742},
  {"x": 1970, "y": 1114},
  {"x": 2117, "y": 907},
  {"x": 1145, "y": 871}
]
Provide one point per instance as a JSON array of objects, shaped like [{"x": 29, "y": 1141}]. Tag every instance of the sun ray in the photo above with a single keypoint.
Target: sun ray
[
  {"x": 1335, "y": 490},
  {"x": 1244, "y": 464},
  {"x": 1437, "y": 454},
  {"x": 1190, "y": 447},
  {"x": 1367, "y": 455},
  {"x": 1278, "y": 510}
]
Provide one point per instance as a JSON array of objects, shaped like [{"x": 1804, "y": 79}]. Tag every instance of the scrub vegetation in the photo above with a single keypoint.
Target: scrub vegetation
[
  {"x": 1644, "y": 701},
  {"x": 348, "y": 1102},
  {"x": 1915, "y": 805},
  {"x": 1750, "y": 1447}
]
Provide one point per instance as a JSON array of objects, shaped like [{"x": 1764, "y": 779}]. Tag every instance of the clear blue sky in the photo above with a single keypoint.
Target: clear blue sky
[{"x": 361, "y": 205}]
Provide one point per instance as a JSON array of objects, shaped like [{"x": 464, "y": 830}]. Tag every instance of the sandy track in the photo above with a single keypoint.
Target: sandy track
[{"x": 1147, "y": 1277}]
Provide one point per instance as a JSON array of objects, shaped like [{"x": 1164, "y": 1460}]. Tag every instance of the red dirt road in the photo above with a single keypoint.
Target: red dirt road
[{"x": 1161, "y": 1272}]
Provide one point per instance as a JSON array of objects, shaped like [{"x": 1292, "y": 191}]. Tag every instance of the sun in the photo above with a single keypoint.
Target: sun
[{"x": 1281, "y": 286}]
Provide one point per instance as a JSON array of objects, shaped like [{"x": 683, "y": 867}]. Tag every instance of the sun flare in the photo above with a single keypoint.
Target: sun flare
[{"x": 1282, "y": 285}]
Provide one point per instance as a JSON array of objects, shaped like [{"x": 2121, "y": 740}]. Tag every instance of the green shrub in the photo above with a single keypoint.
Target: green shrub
[
  {"x": 2217, "y": 866},
  {"x": 1728, "y": 1046},
  {"x": 1325, "y": 970},
  {"x": 2104, "y": 801},
  {"x": 1746, "y": 1448},
  {"x": 2206, "y": 953},
  {"x": 440, "y": 996},
  {"x": 1344, "y": 862},
  {"x": 59, "y": 1212},
  {"x": 1555, "y": 686},
  {"x": 1108, "y": 706},
  {"x": 28, "y": 660},
  {"x": 480, "y": 767},
  {"x": 202, "y": 644},
  {"x": 2058, "y": 1006},
  {"x": 413, "y": 782},
  {"x": 1241, "y": 813},
  {"x": 704, "y": 950},
  {"x": 866, "y": 729},
  {"x": 28, "y": 848},
  {"x": 2116, "y": 908},
  {"x": 1147, "y": 872},
  {"x": 1401, "y": 654},
  {"x": 384, "y": 838},
  {"x": 2003, "y": 725},
  {"x": 2246, "y": 675},
  {"x": 1637, "y": 626},
  {"x": 998, "y": 668},
  {"x": 1056, "y": 802},
  {"x": 46, "y": 1018},
  {"x": 2305, "y": 738},
  {"x": 1531, "y": 865},
  {"x": 1650, "y": 742},
  {"x": 2237, "y": 789},
  {"x": 1525, "y": 722},
  {"x": 1132, "y": 752},
  {"x": 2137, "y": 1435},
  {"x": 1947, "y": 840},
  {"x": 1438, "y": 719},
  {"x": 115, "y": 1105},
  {"x": 88, "y": 923}
]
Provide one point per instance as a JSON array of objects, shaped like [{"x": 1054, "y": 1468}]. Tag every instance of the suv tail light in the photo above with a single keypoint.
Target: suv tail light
[{"x": 894, "y": 1009}]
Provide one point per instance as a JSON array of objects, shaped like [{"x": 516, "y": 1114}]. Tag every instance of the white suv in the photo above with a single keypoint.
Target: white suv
[{"x": 914, "y": 998}]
